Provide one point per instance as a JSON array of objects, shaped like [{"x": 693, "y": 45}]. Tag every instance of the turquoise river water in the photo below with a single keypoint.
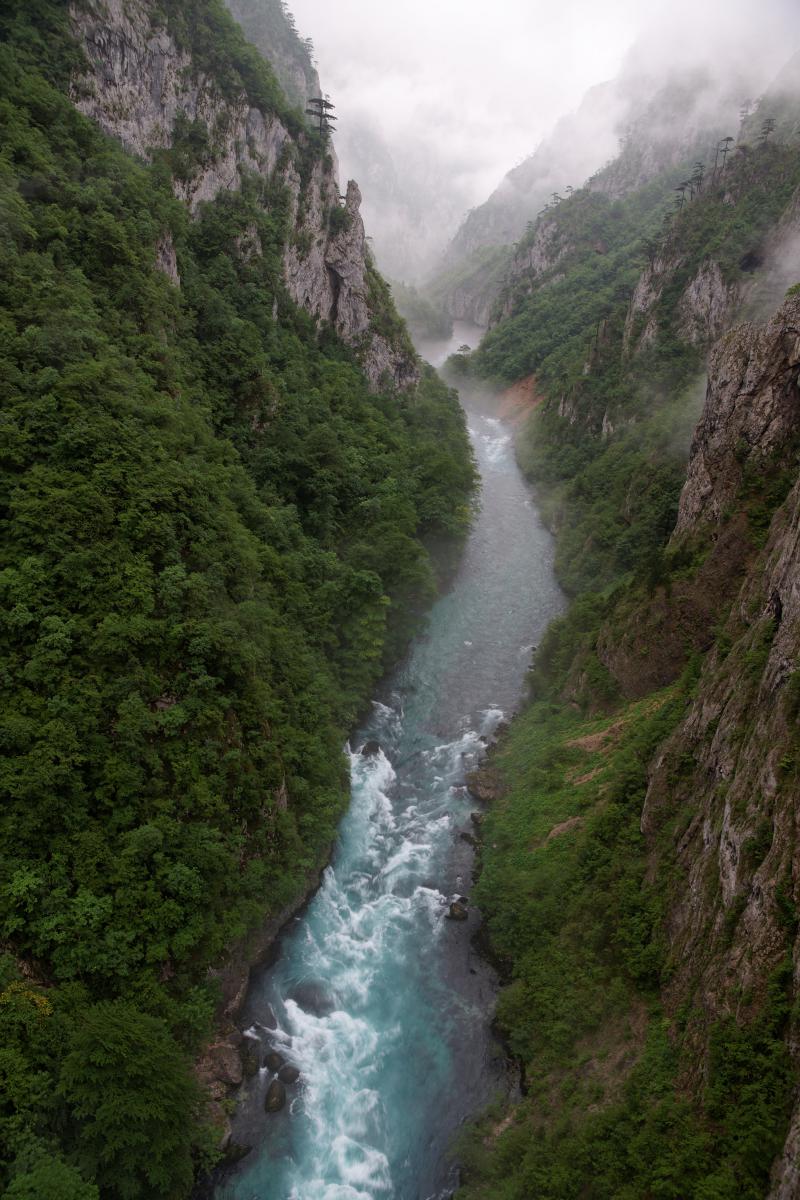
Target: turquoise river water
[{"x": 379, "y": 1000}]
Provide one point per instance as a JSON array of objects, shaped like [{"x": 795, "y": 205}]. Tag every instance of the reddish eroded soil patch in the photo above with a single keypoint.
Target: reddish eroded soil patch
[
  {"x": 499, "y": 1129},
  {"x": 588, "y": 778},
  {"x": 594, "y": 743},
  {"x": 519, "y": 400},
  {"x": 564, "y": 827}
]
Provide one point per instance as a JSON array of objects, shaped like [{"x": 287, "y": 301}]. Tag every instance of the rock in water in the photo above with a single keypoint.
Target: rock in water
[
  {"x": 274, "y": 1061},
  {"x": 275, "y": 1098},
  {"x": 457, "y": 912},
  {"x": 313, "y": 997},
  {"x": 251, "y": 1056},
  {"x": 371, "y": 749},
  {"x": 288, "y": 1074}
]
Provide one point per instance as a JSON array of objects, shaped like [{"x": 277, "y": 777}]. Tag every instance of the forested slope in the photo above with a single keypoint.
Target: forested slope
[
  {"x": 214, "y": 532},
  {"x": 638, "y": 863}
]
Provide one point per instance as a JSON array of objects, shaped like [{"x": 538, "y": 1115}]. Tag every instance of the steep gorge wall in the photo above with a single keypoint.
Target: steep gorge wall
[
  {"x": 730, "y": 770},
  {"x": 144, "y": 89}
]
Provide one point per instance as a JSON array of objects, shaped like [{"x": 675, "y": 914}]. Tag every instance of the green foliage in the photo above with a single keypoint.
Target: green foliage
[
  {"x": 608, "y": 449},
  {"x": 340, "y": 220},
  {"x": 126, "y": 1085},
  {"x": 554, "y": 316},
  {"x": 51, "y": 1179},
  {"x": 220, "y": 50},
  {"x": 574, "y": 913},
  {"x": 215, "y": 540},
  {"x": 385, "y": 318},
  {"x": 269, "y": 26},
  {"x": 575, "y": 907},
  {"x": 577, "y": 917}
]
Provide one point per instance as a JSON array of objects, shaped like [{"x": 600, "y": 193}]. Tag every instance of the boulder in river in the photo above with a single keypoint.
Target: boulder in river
[
  {"x": 457, "y": 912},
  {"x": 485, "y": 784},
  {"x": 288, "y": 1074},
  {"x": 274, "y": 1061},
  {"x": 371, "y": 749},
  {"x": 314, "y": 998},
  {"x": 234, "y": 1153},
  {"x": 275, "y": 1098},
  {"x": 251, "y": 1056}
]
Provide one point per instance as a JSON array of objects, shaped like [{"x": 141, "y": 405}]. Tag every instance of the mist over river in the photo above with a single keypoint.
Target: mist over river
[{"x": 377, "y": 998}]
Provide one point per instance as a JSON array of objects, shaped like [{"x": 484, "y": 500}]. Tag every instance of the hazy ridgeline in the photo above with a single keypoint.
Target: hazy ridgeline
[{"x": 229, "y": 490}]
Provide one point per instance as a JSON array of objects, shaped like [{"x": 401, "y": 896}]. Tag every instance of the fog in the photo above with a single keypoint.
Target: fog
[{"x": 437, "y": 101}]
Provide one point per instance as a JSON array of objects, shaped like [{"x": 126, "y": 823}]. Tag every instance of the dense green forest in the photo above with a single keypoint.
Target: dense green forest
[
  {"x": 574, "y": 895},
  {"x": 214, "y": 540}
]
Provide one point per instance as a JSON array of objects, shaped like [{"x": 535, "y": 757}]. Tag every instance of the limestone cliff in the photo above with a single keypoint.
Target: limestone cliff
[
  {"x": 723, "y": 800},
  {"x": 145, "y": 87},
  {"x": 270, "y": 27}
]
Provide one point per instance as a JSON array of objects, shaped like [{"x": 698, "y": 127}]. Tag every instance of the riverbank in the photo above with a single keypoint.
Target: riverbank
[{"x": 379, "y": 1001}]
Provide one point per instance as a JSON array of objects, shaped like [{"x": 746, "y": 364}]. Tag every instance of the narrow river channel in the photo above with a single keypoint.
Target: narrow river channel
[{"x": 378, "y": 999}]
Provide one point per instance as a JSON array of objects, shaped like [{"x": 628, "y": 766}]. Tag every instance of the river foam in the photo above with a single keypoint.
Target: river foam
[{"x": 380, "y": 1000}]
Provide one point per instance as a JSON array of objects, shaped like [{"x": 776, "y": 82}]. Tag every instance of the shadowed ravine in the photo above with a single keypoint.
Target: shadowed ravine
[{"x": 379, "y": 1000}]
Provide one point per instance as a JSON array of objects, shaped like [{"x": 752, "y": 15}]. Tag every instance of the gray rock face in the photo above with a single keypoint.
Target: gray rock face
[
  {"x": 706, "y": 305},
  {"x": 646, "y": 295},
  {"x": 267, "y": 27},
  {"x": 751, "y": 411},
  {"x": 736, "y": 853},
  {"x": 529, "y": 264},
  {"x": 275, "y": 1098},
  {"x": 139, "y": 83}
]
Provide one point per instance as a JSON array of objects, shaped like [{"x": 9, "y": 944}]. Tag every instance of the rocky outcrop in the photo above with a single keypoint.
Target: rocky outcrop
[
  {"x": 702, "y": 314},
  {"x": 327, "y": 273},
  {"x": 535, "y": 258},
  {"x": 706, "y": 306},
  {"x": 746, "y": 438},
  {"x": 140, "y": 83},
  {"x": 275, "y": 1098},
  {"x": 641, "y": 327},
  {"x": 146, "y": 90},
  {"x": 725, "y": 785},
  {"x": 268, "y": 26},
  {"x": 750, "y": 416}
]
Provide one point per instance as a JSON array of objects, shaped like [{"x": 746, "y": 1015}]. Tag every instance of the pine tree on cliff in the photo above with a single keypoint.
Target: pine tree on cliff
[
  {"x": 723, "y": 150},
  {"x": 321, "y": 109}
]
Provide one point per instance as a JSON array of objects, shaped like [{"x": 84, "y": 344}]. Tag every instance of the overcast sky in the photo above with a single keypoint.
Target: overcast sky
[{"x": 482, "y": 81}]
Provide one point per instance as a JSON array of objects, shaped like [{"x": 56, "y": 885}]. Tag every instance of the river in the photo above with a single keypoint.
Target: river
[{"x": 380, "y": 1000}]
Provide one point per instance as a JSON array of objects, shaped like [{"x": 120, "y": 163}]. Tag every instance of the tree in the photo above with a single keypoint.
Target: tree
[
  {"x": 651, "y": 247},
  {"x": 129, "y": 1089},
  {"x": 723, "y": 150},
  {"x": 698, "y": 176},
  {"x": 51, "y": 1179},
  {"x": 321, "y": 109},
  {"x": 767, "y": 129}
]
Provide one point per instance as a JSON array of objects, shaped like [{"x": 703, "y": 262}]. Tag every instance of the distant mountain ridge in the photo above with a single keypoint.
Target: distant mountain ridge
[{"x": 625, "y": 133}]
